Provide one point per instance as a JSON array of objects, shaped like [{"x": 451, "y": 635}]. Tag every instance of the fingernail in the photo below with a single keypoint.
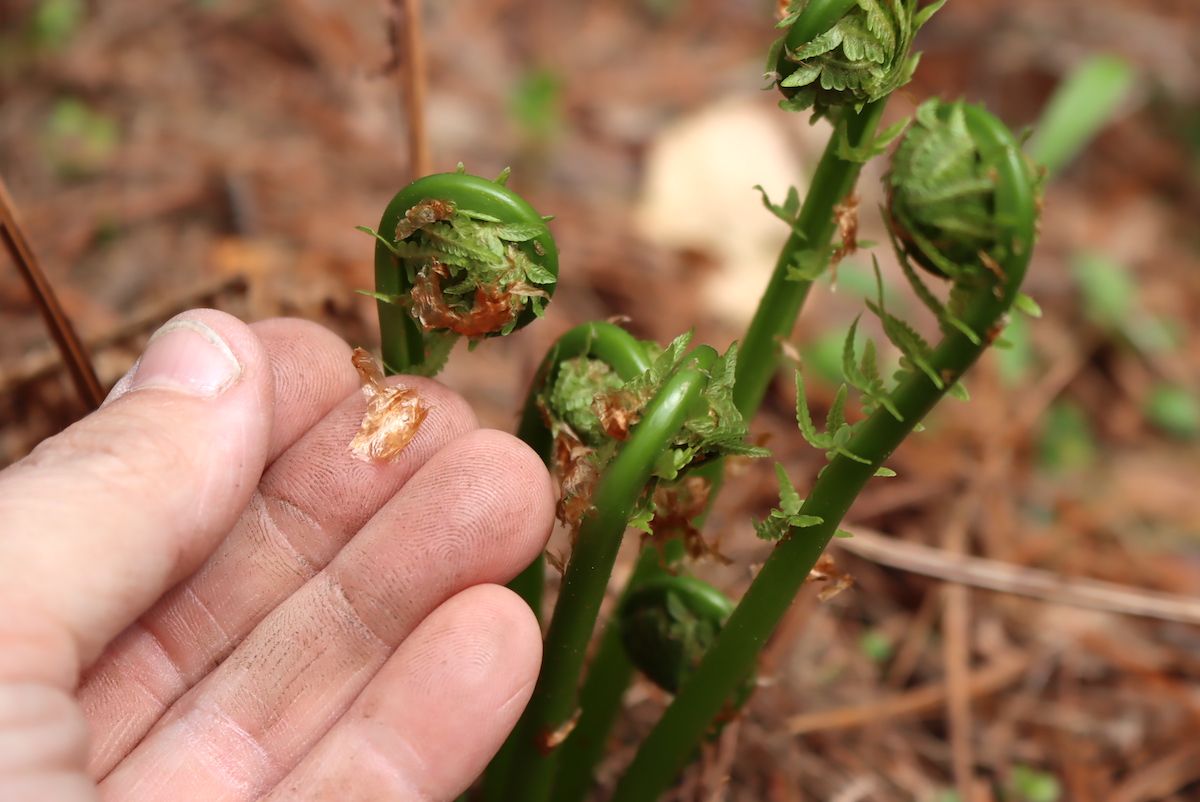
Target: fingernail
[{"x": 189, "y": 356}]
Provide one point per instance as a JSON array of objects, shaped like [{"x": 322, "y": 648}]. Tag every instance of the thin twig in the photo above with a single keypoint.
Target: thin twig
[
  {"x": 1162, "y": 778},
  {"x": 42, "y": 364},
  {"x": 912, "y": 646},
  {"x": 1017, "y": 579},
  {"x": 78, "y": 362},
  {"x": 926, "y": 699},
  {"x": 956, "y": 651},
  {"x": 412, "y": 77}
]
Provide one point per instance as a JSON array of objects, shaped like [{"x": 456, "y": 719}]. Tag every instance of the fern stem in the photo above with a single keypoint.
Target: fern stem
[
  {"x": 628, "y": 358},
  {"x": 733, "y": 655},
  {"x": 553, "y": 705},
  {"x": 401, "y": 342},
  {"x": 608, "y": 675},
  {"x": 625, "y": 355},
  {"x": 780, "y": 306}
]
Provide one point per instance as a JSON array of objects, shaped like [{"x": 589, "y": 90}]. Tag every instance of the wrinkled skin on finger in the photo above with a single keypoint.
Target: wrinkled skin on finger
[{"x": 228, "y": 605}]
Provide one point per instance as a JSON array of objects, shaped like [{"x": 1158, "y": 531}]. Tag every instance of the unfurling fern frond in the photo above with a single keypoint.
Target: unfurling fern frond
[{"x": 861, "y": 58}]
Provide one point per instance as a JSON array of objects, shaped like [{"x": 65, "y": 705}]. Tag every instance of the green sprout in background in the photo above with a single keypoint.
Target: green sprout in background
[
  {"x": 78, "y": 140},
  {"x": 55, "y": 23},
  {"x": 1087, "y": 100},
  {"x": 1030, "y": 785},
  {"x": 537, "y": 104}
]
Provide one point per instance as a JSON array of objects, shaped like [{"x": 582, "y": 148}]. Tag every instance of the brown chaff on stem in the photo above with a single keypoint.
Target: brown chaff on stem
[
  {"x": 618, "y": 411},
  {"x": 676, "y": 507},
  {"x": 845, "y": 214},
  {"x": 577, "y": 478},
  {"x": 826, "y": 570},
  {"x": 425, "y": 213}
]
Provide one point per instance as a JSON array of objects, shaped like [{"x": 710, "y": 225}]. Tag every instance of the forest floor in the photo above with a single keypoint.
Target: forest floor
[{"x": 220, "y": 153}]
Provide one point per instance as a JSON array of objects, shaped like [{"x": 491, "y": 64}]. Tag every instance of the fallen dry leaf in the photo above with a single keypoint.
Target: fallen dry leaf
[{"x": 394, "y": 414}]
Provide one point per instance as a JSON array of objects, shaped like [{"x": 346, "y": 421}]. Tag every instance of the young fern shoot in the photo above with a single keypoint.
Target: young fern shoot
[
  {"x": 626, "y": 444},
  {"x": 985, "y": 284},
  {"x": 625, "y": 424},
  {"x": 831, "y": 60},
  {"x": 842, "y": 59},
  {"x": 457, "y": 255}
]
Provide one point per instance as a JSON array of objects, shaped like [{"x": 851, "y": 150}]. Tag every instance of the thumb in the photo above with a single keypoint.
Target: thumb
[{"x": 100, "y": 520}]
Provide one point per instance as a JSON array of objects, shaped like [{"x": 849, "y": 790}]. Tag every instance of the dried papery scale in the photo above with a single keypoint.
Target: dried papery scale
[
  {"x": 457, "y": 256},
  {"x": 464, "y": 306},
  {"x": 567, "y": 406},
  {"x": 618, "y": 411},
  {"x": 576, "y": 473},
  {"x": 394, "y": 414},
  {"x": 677, "y": 507},
  {"x": 846, "y": 216},
  {"x": 827, "y": 572}
]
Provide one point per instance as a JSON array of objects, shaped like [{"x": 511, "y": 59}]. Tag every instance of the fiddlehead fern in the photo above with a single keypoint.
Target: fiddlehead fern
[
  {"x": 845, "y": 54},
  {"x": 941, "y": 196},
  {"x": 676, "y": 414},
  {"x": 457, "y": 255},
  {"x": 668, "y": 623}
]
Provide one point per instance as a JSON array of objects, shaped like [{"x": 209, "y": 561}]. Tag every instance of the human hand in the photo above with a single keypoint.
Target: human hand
[{"x": 202, "y": 575}]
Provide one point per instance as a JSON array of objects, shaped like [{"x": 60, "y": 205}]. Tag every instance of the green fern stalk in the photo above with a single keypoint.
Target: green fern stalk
[
  {"x": 733, "y": 655},
  {"x": 621, "y": 351},
  {"x": 812, "y": 232},
  {"x": 808, "y": 245},
  {"x": 549, "y": 716},
  {"x": 608, "y": 675}
]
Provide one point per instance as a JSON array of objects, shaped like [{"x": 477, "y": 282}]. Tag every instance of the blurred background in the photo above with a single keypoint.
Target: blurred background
[{"x": 179, "y": 153}]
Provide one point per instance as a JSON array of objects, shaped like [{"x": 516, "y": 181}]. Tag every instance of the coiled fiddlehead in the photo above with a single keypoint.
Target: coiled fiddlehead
[
  {"x": 941, "y": 195},
  {"x": 457, "y": 255},
  {"x": 668, "y": 623},
  {"x": 842, "y": 53}
]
